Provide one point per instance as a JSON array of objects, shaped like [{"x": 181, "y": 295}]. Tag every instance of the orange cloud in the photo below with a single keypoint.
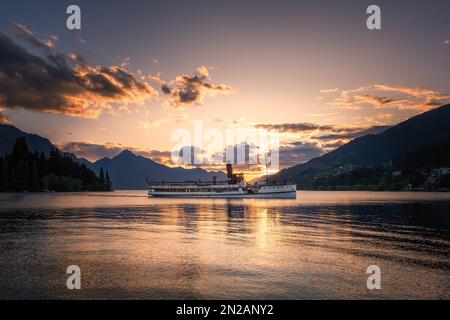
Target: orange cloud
[
  {"x": 329, "y": 90},
  {"x": 69, "y": 85},
  {"x": 380, "y": 96},
  {"x": 3, "y": 118},
  {"x": 64, "y": 84}
]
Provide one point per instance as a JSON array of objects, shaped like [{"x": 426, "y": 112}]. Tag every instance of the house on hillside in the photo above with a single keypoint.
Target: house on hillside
[{"x": 440, "y": 172}]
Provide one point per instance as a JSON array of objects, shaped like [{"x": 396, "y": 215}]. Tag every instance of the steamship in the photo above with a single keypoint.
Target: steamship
[{"x": 234, "y": 187}]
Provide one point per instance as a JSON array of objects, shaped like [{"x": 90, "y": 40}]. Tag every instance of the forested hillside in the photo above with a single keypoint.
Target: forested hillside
[{"x": 22, "y": 170}]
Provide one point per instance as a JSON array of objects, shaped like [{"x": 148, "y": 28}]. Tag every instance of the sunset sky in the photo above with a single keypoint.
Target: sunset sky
[{"x": 138, "y": 70}]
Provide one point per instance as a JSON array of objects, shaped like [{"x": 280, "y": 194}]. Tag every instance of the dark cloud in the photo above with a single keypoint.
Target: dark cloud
[
  {"x": 434, "y": 103},
  {"x": 352, "y": 134},
  {"x": 306, "y": 127},
  {"x": 23, "y": 32},
  {"x": 189, "y": 90},
  {"x": 333, "y": 131},
  {"x": 191, "y": 155},
  {"x": 165, "y": 89},
  {"x": 63, "y": 84},
  {"x": 95, "y": 151},
  {"x": 163, "y": 157},
  {"x": 239, "y": 154},
  {"x": 370, "y": 130},
  {"x": 290, "y": 127},
  {"x": 328, "y": 138},
  {"x": 380, "y": 100},
  {"x": 332, "y": 145},
  {"x": 298, "y": 152},
  {"x": 68, "y": 84},
  {"x": 91, "y": 151},
  {"x": 252, "y": 158}
]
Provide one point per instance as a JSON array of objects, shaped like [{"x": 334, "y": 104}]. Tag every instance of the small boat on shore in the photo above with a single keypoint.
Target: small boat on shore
[{"x": 234, "y": 187}]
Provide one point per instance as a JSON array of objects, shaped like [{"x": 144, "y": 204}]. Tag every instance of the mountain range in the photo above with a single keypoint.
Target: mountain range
[
  {"x": 126, "y": 170},
  {"x": 9, "y": 135},
  {"x": 421, "y": 141},
  {"x": 129, "y": 171}
]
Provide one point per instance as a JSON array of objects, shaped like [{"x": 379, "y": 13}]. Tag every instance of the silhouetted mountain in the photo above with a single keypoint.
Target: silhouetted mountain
[
  {"x": 84, "y": 161},
  {"x": 22, "y": 170},
  {"x": 126, "y": 170},
  {"x": 129, "y": 171},
  {"x": 9, "y": 135},
  {"x": 410, "y": 138},
  {"x": 425, "y": 156}
]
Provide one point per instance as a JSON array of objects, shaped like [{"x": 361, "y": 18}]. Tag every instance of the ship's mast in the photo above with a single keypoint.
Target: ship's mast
[
  {"x": 266, "y": 170},
  {"x": 265, "y": 163}
]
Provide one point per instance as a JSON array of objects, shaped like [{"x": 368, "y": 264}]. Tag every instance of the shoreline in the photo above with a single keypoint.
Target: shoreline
[{"x": 301, "y": 190}]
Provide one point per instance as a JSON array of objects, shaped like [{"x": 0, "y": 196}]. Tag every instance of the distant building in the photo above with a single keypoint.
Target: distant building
[
  {"x": 343, "y": 169},
  {"x": 440, "y": 172},
  {"x": 396, "y": 174}
]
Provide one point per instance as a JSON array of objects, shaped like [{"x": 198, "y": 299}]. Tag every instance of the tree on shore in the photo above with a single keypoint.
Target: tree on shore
[{"x": 23, "y": 170}]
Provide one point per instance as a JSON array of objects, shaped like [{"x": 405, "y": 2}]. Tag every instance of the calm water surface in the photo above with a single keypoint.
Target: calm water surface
[{"x": 315, "y": 247}]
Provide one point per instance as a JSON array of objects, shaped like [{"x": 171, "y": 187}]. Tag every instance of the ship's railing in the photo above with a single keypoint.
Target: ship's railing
[
  {"x": 217, "y": 183},
  {"x": 189, "y": 183},
  {"x": 271, "y": 183}
]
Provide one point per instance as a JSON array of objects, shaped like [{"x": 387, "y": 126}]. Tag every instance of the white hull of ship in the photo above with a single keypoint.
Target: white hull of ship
[
  {"x": 278, "y": 195},
  {"x": 280, "y": 192}
]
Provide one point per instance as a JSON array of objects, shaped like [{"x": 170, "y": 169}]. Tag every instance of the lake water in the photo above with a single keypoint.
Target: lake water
[{"x": 315, "y": 247}]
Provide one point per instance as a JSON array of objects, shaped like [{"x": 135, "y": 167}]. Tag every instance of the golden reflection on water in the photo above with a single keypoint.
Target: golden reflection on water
[{"x": 315, "y": 247}]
